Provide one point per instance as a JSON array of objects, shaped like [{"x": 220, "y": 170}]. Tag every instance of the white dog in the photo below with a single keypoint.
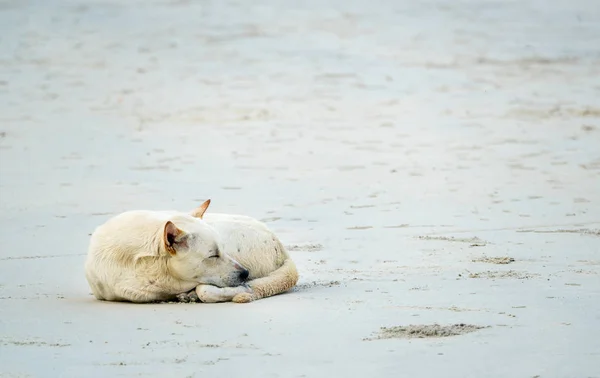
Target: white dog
[{"x": 148, "y": 256}]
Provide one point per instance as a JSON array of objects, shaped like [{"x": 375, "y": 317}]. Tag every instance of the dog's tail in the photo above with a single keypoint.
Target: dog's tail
[{"x": 279, "y": 281}]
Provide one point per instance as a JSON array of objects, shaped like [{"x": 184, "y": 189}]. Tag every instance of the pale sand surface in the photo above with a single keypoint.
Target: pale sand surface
[{"x": 404, "y": 151}]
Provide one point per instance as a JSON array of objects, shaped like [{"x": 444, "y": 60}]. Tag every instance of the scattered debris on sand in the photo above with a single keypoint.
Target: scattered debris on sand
[
  {"x": 424, "y": 331},
  {"x": 581, "y": 231},
  {"x": 495, "y": 260},
  {"x": 38, "y": 343},
  {"x": 489, "y": 274},
  {"x": 304, "y": 247},
  {"x": 474, "y": 241},
  {"x": 310, "y": 285}
]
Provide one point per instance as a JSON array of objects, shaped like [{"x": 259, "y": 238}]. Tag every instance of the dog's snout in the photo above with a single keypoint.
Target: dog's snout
[{"x": 244, "y": 275}]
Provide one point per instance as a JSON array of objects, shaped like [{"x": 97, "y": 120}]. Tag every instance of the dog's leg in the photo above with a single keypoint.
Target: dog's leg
[
  {"x": 279, "y": 281},
  {"x": 135, "y": 295},
  {"x": 213, "y": 294}
]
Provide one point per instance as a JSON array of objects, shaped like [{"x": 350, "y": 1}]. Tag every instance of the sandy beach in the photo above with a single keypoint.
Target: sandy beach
[{"x": 433, "y": 168}]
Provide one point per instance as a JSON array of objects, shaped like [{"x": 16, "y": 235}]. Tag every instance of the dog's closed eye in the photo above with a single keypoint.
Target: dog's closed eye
[{"x": 215, "y": 254}]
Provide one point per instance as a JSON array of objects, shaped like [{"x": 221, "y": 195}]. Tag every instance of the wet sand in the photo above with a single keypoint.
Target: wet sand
[{"x": 425, "y": 163}]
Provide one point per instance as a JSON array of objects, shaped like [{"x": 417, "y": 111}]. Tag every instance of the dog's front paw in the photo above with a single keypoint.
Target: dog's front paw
[
  {"x": 208, "y": 294},
  {"x": 243, "y": 298},
  {"x": 188, "y": 297}
]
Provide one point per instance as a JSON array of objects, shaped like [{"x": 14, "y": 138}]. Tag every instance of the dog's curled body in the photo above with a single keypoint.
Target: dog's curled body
[
  {"x": 256, "y": 248},
  {"x": 148, "y": 256}
]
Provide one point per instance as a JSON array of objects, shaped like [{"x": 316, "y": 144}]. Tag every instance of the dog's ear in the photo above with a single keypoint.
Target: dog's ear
[
  {"x": 200, "y": 210},
  {"x": 173, "y": 237}
]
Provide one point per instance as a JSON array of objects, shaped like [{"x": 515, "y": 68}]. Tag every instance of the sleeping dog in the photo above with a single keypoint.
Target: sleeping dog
[{"x": 148, "y": 256}]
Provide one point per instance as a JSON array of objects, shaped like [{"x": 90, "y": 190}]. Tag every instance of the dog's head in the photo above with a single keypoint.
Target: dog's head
[{"x": 193, "y": 253}]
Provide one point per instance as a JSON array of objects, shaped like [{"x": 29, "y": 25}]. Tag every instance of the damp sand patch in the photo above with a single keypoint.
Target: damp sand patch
[
  {"x": 495, "y": 260},
  {"x": 424, "y": 331}
]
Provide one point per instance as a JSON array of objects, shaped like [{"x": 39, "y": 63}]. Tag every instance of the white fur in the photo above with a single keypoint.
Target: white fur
[{"x": 146, "y": 256}]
